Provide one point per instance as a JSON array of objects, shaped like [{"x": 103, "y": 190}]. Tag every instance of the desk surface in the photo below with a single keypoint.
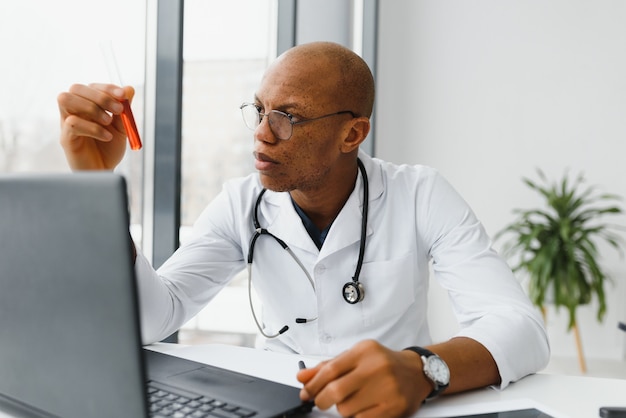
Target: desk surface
[
  {"x": 558, "y": 395},
  {"x": 561, "y": 396}
]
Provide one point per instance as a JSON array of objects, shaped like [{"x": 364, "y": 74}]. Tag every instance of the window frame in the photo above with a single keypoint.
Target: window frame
[{"x": 164, "y": 78}]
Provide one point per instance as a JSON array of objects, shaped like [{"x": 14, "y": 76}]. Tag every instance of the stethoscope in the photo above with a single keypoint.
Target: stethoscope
[{"x": 353, "y": 291}]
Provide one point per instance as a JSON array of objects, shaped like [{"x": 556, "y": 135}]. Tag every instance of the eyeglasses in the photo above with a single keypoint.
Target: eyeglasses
[{"x": 281, "y": 123}]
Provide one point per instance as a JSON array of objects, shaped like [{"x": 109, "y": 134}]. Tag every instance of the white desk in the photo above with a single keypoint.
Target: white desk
[{"x": 561, "y": 396}]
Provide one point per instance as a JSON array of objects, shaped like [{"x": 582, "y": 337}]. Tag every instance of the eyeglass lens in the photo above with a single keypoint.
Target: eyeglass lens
[{"x": 279, "y": 123}]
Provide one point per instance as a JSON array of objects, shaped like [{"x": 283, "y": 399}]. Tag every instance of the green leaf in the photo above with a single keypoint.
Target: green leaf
[{"x": 556, "y": 244}]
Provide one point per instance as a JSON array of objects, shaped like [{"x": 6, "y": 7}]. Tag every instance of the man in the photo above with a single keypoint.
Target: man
[{"x": 361, "y": 234}]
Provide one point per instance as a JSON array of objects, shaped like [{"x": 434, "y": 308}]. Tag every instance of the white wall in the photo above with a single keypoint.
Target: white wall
[{"x": 488, "y": 90}]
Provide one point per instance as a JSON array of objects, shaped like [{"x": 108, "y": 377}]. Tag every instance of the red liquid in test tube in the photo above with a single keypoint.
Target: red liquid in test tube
[
  {"x": 130, "y": 126},
  {"x": 128, "y": 120}
]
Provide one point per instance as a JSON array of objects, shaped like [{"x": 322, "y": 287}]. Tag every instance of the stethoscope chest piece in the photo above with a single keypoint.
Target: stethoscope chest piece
[{"x": 353, "y": 292}]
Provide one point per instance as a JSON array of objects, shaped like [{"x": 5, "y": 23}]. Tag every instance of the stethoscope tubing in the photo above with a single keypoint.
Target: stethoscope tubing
[{"x": 258, "y": 231}]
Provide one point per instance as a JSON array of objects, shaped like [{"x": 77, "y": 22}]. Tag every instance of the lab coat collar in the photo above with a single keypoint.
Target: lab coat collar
[{"x": 283, "y": 221}]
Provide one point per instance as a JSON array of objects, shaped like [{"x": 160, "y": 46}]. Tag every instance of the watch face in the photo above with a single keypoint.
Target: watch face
[{"x": 438, "y": 370}]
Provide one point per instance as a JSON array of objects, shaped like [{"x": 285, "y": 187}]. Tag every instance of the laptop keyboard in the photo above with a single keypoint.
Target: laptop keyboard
[{"x": 165, "y": 403}]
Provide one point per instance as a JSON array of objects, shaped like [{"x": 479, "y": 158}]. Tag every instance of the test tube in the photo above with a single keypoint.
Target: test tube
[
  {"x": 128, "y": 120},
  {"x": 130, "y": 126}
]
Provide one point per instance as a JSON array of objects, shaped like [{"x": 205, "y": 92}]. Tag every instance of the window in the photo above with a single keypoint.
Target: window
[
  {"x": 48, "y": 46},
  {"x": 226, "y": 48}
]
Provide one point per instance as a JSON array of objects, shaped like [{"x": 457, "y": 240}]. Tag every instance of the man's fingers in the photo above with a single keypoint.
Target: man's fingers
[
  {"x": 337, "y": 391},
  {"x": 81, "y": 99},
  {"x": 305, "y": 375},
  {"x": 74, "y": 127},
  {"x": 332, "y": 381},
  {"x": 373, "y": 399}
]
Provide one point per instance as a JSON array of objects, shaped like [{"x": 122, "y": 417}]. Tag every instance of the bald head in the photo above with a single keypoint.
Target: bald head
[{"x": 339, "y": 75}]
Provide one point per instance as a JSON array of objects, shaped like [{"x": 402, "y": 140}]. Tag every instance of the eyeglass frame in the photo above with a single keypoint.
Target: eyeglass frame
[{"x": 289, "y": 117}]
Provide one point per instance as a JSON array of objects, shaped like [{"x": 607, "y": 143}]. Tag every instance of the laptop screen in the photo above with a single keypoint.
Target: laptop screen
[{"x": 69, "y": 330}]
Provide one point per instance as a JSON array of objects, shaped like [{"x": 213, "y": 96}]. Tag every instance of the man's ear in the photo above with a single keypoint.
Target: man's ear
[{"x": 358, "y": 130}]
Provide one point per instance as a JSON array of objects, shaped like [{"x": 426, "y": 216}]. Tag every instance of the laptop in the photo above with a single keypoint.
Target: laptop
[{"x": 69, "y": 321}]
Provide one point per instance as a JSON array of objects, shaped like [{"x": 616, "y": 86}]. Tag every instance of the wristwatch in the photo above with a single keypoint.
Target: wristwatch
[{"x": 435, "y": 369}]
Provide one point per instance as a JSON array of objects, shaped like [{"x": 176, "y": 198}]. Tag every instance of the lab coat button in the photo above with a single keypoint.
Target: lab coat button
[
  {"x": 326, "y": 339},
  {"x": 320, "y": 269}
]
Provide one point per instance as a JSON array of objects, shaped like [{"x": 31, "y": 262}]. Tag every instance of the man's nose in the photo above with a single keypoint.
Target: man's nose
[{"x": 263, "y": 132}]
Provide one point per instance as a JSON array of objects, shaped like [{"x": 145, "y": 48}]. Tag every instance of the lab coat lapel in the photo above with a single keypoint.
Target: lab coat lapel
[
  {"x": 346, "y": 229},
  {"x": 284, "y": 222}
]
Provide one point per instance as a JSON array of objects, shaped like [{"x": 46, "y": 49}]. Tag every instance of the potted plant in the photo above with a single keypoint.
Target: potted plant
[{"x": 556, "y": 246}]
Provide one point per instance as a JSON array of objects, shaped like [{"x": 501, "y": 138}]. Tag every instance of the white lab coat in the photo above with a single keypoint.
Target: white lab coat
[{"x": 415, "y": 217}]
